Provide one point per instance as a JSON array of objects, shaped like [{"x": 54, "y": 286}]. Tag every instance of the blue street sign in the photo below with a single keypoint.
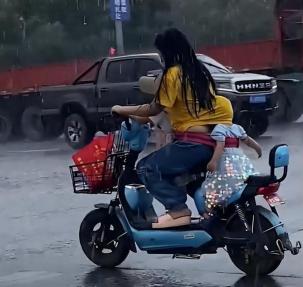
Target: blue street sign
[{"x": 120, "y": 10}]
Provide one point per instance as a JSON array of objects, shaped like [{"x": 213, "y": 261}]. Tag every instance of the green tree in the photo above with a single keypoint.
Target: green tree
[{"x": 39, "y": 31}]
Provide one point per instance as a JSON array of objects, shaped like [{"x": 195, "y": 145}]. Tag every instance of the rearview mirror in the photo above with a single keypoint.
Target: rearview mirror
[
  {"x": 150, "y": 84},
  {"x": 279, "y": 158}
]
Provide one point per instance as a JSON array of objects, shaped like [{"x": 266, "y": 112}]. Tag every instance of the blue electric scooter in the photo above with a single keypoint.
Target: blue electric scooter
[{"x": 254, "y": 236}]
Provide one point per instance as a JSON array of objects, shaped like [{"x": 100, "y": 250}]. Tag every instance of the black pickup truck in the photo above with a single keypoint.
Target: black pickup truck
[{"x": 114, "y": 81}]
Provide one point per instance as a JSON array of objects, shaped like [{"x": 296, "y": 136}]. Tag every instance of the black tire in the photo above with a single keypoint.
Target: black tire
[
  {"x": 54, "y": 127},
  {"x": 77, "y": 132},
  {"x": 288, "y": 112},
  {"x": 32, "y": 124},
  {"x": 256, "y": 265},
  {"x": 6, "y": 126},
  {"x": 255, "y": 124},
  {"x": 114, "y": 232},
  {"x": 264, "y": 281}
]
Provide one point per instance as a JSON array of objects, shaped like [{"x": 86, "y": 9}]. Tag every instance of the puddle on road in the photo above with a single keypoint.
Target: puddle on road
[{"x": 168, "y": 278}]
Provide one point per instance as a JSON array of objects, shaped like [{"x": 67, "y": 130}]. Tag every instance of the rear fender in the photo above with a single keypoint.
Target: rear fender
[
  {"x": 270, "y": 216},
  {"x": 273, "y": 219}
]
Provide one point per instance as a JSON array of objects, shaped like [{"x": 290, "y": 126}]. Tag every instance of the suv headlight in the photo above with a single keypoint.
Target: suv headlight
[
  {"x": 224, "y": 85},
  {"x": 274, "y": 84}
]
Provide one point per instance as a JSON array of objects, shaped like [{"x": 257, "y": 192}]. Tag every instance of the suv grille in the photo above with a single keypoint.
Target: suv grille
[{"x": 253, "y": 86}]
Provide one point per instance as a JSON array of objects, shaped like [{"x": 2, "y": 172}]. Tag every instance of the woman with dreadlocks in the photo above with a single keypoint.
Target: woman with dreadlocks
[{"x": 187, "y": 95}]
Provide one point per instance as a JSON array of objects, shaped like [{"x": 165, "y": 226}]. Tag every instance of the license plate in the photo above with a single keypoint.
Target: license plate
[
  {"x": 257, "y": 99},
  {"x": 274, "y": 199}
]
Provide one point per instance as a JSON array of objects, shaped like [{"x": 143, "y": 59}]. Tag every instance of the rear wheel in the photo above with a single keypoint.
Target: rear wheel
[
  {"x": 114, "y": 248},
  {"x": 246, "y": 259},
  {"x": 32, "y": 125},
  {"x": 6, "y": 126},
  {"x": 264, "y": 281}
]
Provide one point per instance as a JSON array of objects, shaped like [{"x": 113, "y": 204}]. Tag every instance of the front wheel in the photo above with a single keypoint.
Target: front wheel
[
  {"x": 103, "y": 239},
  {"x": 246, "y": 259},
  {"x": 77, "y": 132}
]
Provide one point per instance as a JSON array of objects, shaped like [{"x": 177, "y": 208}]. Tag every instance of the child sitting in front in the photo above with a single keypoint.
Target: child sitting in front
[{"x": 229, "y": 167}]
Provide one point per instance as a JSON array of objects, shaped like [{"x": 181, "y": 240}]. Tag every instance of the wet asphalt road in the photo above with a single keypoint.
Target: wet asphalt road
[{"x": 40, "y": 217}]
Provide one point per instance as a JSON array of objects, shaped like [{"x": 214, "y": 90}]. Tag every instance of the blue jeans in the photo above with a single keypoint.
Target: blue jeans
[{"x": 158, "y": 170}]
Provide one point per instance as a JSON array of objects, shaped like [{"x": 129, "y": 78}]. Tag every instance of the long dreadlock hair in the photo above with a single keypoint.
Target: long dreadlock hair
[{"x": 176, "y": 50}]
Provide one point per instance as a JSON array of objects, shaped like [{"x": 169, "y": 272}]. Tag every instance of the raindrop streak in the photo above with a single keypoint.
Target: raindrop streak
[{"x": 77, "y": 3}]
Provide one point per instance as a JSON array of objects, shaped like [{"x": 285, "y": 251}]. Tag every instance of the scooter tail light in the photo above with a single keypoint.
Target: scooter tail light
[{"x": 270, "y": 189}]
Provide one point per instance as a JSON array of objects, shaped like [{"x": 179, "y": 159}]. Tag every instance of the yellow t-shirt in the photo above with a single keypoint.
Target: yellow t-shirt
[{"x": 170, "y": 97}]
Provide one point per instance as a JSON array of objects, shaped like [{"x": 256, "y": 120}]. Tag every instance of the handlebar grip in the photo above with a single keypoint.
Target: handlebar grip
[
  {"x": 115, "y": 115},
  {"x": 126, "y": 120}
]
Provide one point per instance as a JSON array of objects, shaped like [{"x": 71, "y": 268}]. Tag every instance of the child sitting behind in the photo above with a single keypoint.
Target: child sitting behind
[{"x": 229, "y": 167}]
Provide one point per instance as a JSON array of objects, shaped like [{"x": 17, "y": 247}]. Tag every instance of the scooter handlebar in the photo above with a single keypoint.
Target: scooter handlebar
[{"x": 125, "y": 119}]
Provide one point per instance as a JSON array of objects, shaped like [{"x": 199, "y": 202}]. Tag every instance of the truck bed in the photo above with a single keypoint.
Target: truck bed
[
  {"x": 16, "y": 81},
  {"x": 253, "y": 56}
]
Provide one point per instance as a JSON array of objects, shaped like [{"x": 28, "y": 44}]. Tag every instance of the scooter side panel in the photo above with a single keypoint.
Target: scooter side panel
[
  {"x": 273, "y": 219},
  {"x": 125, "y": 224},
  {"x": 168, "y": 239}
]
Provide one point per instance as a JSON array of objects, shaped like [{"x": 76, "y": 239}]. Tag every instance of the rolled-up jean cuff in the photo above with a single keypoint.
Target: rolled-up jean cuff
[{"x": 178, "y": 208}]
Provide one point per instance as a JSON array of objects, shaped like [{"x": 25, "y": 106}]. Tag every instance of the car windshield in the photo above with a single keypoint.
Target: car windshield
[{"x": 212, "y": 65}]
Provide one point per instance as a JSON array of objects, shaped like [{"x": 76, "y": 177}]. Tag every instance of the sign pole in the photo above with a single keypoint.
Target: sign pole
[
  {"x": 119, "y": 12},
  {"x": 119, "y": 37}
]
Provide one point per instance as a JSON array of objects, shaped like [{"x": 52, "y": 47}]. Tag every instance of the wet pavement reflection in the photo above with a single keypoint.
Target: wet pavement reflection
[
  {"x": 121, "y": 277},
  {"x": 40, "y": 219}
]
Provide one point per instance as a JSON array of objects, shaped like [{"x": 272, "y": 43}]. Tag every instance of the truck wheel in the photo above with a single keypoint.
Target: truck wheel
[
  {"x": 76, "y": 131},
  {"x": 32, "y": 125},
  {"x": 53, "y": 127},
  {"x": 288, "y": 111},
  {"x": 6, "y": 126},
  {"x": 255, "y": 125}
]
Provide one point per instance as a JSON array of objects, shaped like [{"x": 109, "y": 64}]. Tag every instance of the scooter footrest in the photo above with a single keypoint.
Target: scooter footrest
[{"x": 186, "y": 256}]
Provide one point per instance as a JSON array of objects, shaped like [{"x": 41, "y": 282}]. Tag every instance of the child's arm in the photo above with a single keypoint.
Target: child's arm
[
  {"x": 219, "y": 149},
  {"x": 254, "y": 145}
]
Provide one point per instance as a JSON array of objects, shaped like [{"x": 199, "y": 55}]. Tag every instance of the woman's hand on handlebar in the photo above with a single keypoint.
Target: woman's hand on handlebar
[
  {"x": 146, "y": 110},
  {"x": 117, "y": 110}
]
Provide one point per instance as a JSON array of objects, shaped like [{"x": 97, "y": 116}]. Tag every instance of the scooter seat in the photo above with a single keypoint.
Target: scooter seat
[{"x": 260, "y": 180}]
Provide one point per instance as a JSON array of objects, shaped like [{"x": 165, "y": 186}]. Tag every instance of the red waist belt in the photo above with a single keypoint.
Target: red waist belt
[{"x": 205, "y": 139}]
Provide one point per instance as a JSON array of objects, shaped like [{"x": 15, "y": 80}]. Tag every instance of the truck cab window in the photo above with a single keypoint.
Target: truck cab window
[
  {"x": 120, "y": 71},
  {"x": 89, "y": 76},
  {"x": 146, "y": 65}
]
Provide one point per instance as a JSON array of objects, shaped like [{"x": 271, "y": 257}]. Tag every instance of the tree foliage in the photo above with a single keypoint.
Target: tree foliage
[{"x": 43, "y": 31}]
